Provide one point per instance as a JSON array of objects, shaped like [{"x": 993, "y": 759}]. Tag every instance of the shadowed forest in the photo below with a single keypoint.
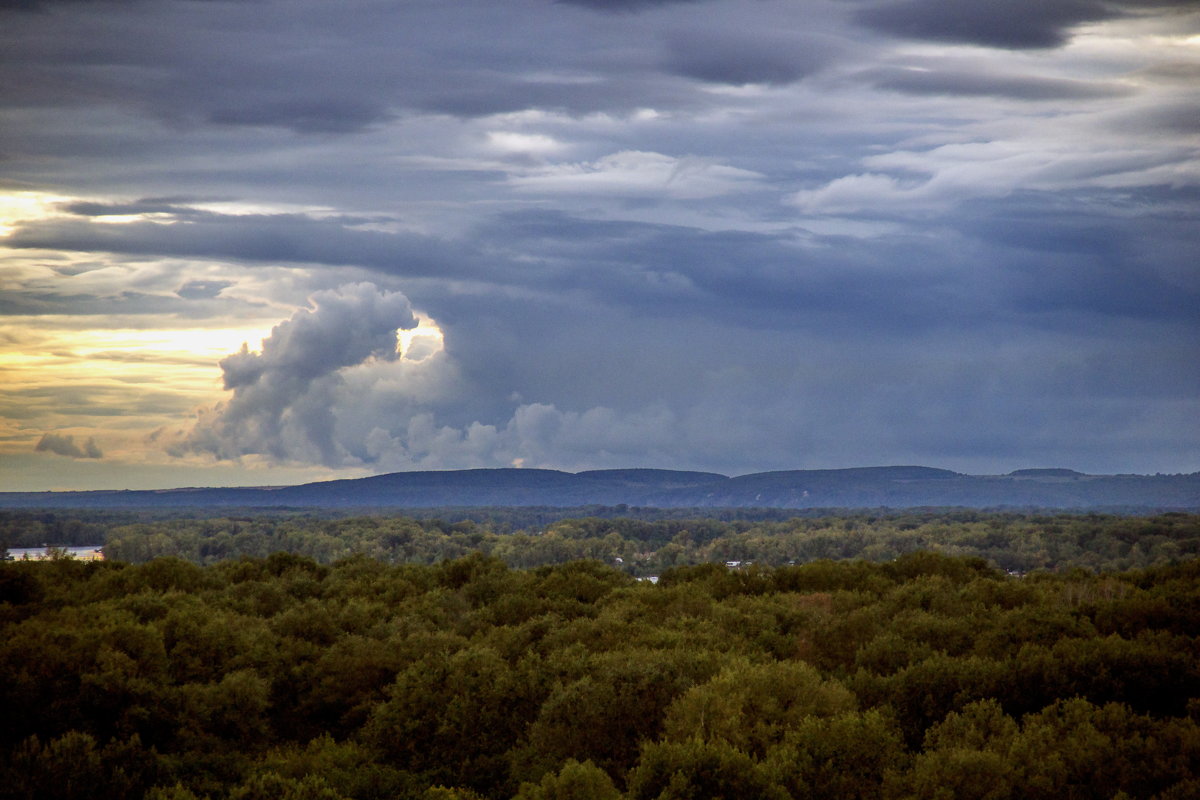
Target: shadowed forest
[{"x": 389, "y": 657}]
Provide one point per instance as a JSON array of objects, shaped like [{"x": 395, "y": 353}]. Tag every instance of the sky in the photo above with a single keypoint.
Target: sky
[{"x": 261, "y": 242}]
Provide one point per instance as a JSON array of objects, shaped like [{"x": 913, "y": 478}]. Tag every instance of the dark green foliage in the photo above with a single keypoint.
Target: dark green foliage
[
  {"x": 850, "y": 756},
  {"x": 696, "y": 770},
  {"x": 74, "y": 766},
  {"x": 931, "y": 675},
  {"x": 751, "y": 707},
  {"x": 17, "y": 585},
  {"x": 574, "y": 781},
  {"x": 1072, "y": 748}
]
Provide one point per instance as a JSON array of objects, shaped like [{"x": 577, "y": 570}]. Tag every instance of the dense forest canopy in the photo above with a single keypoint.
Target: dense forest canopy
[
  {"x": 927, "y": 676},
  {"x": 510, "y": 656}
]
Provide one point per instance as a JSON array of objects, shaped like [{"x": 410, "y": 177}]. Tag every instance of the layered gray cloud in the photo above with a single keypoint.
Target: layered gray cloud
[
  {"x": 274, "y": 238},
  {"x": 1017, "y": 87},
  {"x": 889, "y": 282}
]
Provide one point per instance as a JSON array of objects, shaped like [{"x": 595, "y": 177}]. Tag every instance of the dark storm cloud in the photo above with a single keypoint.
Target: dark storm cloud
[
  {"x": 306, "y": 114},
  {"x": 1032, "y": 262},
  {"x": 760, "y": 280},
  {"x": 1015, "y": 87},
  {"x": 1017, "y": 24},
  {"x": 470, "y": 59},
  {"x": 1012, "y": 24},
  {"x": 1043, "y": 256},
  {"x": 1064, "y": 257},
  {"x": 291, "y": 238},
  {"x": 309, "y": 68},
  {"x": 742, "y": 57},
  {"x": 66, "y": 446},
  {"x": 763, "y": 279}
]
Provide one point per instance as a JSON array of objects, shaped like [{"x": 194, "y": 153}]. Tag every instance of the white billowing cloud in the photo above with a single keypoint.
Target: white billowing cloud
[
  {"x": 598, "y": 436},
  {"x": 329, "y": 387},
  {"x": 641, "y": 174},
  {"x": 537, "y": 435},
  {"x": 284, "y": 395}
]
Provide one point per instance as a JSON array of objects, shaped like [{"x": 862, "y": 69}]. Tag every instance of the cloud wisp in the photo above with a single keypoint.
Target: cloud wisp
[{"x": 67, "y": 446}]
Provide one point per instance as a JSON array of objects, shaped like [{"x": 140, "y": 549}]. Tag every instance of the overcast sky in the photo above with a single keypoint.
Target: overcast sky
[{"x": 267, "y": 241}]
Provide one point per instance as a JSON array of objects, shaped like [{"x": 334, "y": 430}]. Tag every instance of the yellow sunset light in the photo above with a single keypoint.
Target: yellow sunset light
[
  {"x": 169, "y": 357},
  {"x": 211, "y": 344},
  {"x": 18, "y": 206},
  {"x": 420, "y": 342}
]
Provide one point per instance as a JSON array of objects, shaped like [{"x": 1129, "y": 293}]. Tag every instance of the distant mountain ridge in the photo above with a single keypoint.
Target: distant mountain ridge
[{"x": 860, "y": 487}]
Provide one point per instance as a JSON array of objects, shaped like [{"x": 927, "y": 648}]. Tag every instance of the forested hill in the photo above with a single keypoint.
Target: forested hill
[{"x": 868, "y": 487}]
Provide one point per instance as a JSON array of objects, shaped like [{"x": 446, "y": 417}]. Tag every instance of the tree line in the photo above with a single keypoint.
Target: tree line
[{"x": 1018, "y": 542}]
